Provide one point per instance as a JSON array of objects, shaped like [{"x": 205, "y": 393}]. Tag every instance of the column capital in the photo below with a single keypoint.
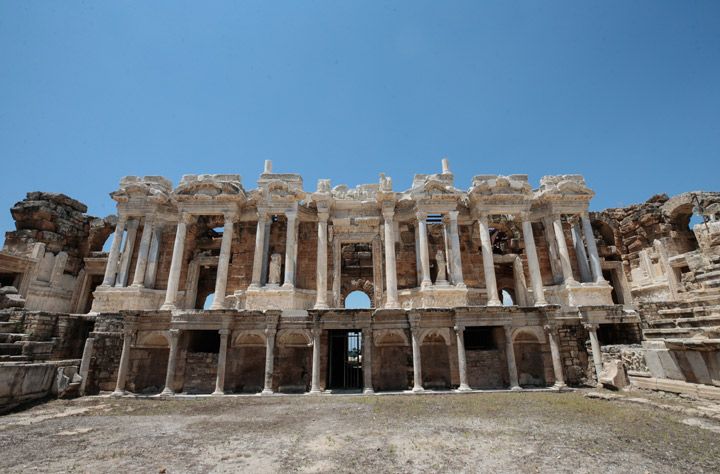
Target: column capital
[
  {"x": 507, "y": 328},
  {"x": 187, "y": 218},
  {"x": 388, "y": 213},
  {"x": 591, "y": 326},
  {"x": 174, "y": 334},
  {"x": 133, "y": 224},
  {"x": 524, "y": 216},
  {"x": 316, "y": 332},
  {"x": 224, "y": 332},
  {"x": 230, "y": 216},
  {"x": 291, "y": 215},
  {"x": 421, "y": 215},
  {"x": 122, "y": 219},
  {"x": 550, "y": 328},
  {"x": 150, "y": 218},
  {"x": 453, "y": 215},
  {"x": 459, "y": 328},
  {"x": 323, "y": 216},
  {"x": 262, "y": 214},
  {"x": 270, "y": 332}
]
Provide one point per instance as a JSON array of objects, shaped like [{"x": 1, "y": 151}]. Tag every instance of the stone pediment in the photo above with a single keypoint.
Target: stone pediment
[
  {"x": 362, "y": 192},
  {"x": 276, "y": 187},
  {"x": 154, "y": 188},
  {"x": 222, "y": 187},
  {"x": 434, "y": 187},
  {"x": 571, "y": 186},
  {"x": 489, "y": 185}
]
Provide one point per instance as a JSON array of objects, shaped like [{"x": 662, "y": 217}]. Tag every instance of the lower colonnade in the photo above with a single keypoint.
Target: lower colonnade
[{"x": 331, "y": 351}]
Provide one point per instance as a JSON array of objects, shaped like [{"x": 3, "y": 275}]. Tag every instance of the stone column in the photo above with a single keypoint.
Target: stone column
[
  {"x": 172, "y": 360},
  {"x": 462, "y": 363},
  {"x": 176, "y": 263},
  {"x": 592, "y": 249},
  {"x": 582, "y": 257},
  {"x": 533, "y": 264},
  {"x": 366, "y": 351},
  {"x": 555, "y": 353},
  {"x": 124, "y": 361},
  {"x": 563, "y": 249},
  {"x": 151, "y": 270},
  {"x": 259, "y": 257},
  {"x": 424, "y": 251},
  {"x": 417, "y": 362},
  {"x": 596, "y": 353},
  {"x": 322, "y": 263},
  {"x": 269, "y": 360},
  {"x": 112, "y": 263},
  {"x": 391, "y": 300},
  {"x": 223, "y": 262},
  {"x": 290, "y": 249},
  {"x": 315, "y": 381},
  {"x": 222, "y": 358},
  {"x": 488, "y": 262},
  {"x": 142, "y": 260},
  {"x": 127, "y": 252},
  {"x": 455, "y": 257},
  {"x": 510, "y": 356}
]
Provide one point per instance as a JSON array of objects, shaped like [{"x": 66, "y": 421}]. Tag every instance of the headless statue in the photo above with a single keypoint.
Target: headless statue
[{"x": 274, "y": 274}]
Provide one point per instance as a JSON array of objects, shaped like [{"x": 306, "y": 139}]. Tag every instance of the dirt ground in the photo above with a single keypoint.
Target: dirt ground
[{"x": 482, "y": 432}]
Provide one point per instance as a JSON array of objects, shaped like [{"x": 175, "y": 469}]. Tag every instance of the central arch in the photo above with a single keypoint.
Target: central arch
[{"x": 353, "y": 289}]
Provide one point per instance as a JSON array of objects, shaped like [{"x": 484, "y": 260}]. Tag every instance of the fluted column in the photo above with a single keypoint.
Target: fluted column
[
  {"x": 172, "y": 360},
  {"x": 124, "y": 362},
  {"x": 488, "y": 261},
  {"x": 315, "y": 385},
  {"x": 127, "y": 252},
  {"x": 592, "y": 249},
  {"x": 563, "y": 249},
  {"x": 580, "y": 254},
  {"x": 596, "y": 353},
  {"x": 510, "y": 356},
  {"x": 269, "y": 360},
  {"x": 112, "y": 263},
  {"x": 417, "y": 361},
  {"x": 223, "y": 262},
  {"x": 455, "y": 257},
  {"x": 391, "y": 300},
  {"x": 151, "y": 270},
  {"x": 142, "y": 260},
  {"x": 290, "y": 249},
  {"x": 322, "y": 263},
  {"x": 176, "y": 263},
  {"x": 462, "y": 362},
  {"x": 367, "y": 349},
  {"x": 259, "y": 257},
  {"x": 555, "y": 354},
  {"x": 532, "y": 259},
  {"x": 222, "y": 358},
  {"x": 424, "y": 251}
]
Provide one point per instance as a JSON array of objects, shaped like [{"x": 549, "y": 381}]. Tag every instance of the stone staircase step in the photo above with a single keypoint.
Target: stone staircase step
[
  {"x": 662, "y": 323},
  {"x": 671, "y": 333},
  {"x": 682, "y": 312},
  {"x": 4, "y": 317},
  {"x": 10, "y": 348},
  {"x": 6, "y": 326},
  {"x": 15, "y": 358},
  {"x": 12, "y": 337}
]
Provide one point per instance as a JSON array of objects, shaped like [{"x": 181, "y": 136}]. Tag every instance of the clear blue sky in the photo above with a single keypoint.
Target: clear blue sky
[{"x": 626, "y": 93}]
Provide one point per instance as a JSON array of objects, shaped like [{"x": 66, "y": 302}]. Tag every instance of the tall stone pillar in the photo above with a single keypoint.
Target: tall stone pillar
[
  {"x": 488, "y": 262},
  {"x": 322, "y": 261},
  {"x": 153, "y": 257},
  {"x": 533, "y": 264},
  {"x": 315, "y": 380},
  {"x": 269, "y": 360},
  {"x": 290, "y": 249},
  {"x": 222, "y": 358},
  {"x": 172, "y": 360},
  {"x": 596, "y": 353},
  {"x": 552, "y": 333},
  {"x": 127, "y": 252},
  {"x": 563, "y": 249},
  {"x": 391, "y": 300},
  {"x": 176, "y": 263},
  {"x": 142, "y": 260},
  {"x": 124, "y": 362},
  {"x": 455, "y": 257},
  {"x": 223, "y": 262},
  {"x": 367, "y": 350},
  {"x": 462, "y": 362},
  {"x": 582, "y": 257},
  {"x": 510, "y": 356},
  {"x": 259, "y": 257},
  {"x": 417, "y": 361},
  {"x": 424, "y": 251},
  {"x": 112, "y": 263},
  {"x": 592, "y": 249}
]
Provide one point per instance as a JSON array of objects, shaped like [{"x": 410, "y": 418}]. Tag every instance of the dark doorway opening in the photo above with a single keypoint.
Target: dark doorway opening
[{"x": 345, "y": 360}]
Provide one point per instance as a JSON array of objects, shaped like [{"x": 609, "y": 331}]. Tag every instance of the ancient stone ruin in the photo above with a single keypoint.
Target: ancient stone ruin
[{"x": 208, "y": 287}]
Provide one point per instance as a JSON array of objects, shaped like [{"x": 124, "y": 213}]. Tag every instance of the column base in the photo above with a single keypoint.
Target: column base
[
  {"x": 288, "y": 286},
  {"x": 417, "y": 389},
  {"x": 494, "y": 303},
  {"x": 218, "y": 393},
  {"x": 215, "y": 307},
  {"x": 463, "y": 388},
  {"x": 167, "y": 307},
  {"x": 368, "y": 391},
  {"x": 559, "y": 386},
  {"x": 392, "y": 305},
  {"x": 137, "y": 285},
  {"x": 516, "y": 388},
  {"x": 426, "y": 284},
  {"x": 321, "y": 306},
  {"x": 541, "y": 303},
  {"x": 167, "y": 393},
  {"x": 460, "y": 285},
  {"x": 118, "y": 393},
  {"x": 314, "y": 391},
  {"x": 267, "y": 391}
]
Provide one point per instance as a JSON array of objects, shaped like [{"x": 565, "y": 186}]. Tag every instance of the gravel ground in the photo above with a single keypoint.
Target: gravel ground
[{"x": 481, "y": 432}]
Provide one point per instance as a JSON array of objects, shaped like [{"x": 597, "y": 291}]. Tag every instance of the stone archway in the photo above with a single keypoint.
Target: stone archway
[{"x": 358, "y": 284}]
